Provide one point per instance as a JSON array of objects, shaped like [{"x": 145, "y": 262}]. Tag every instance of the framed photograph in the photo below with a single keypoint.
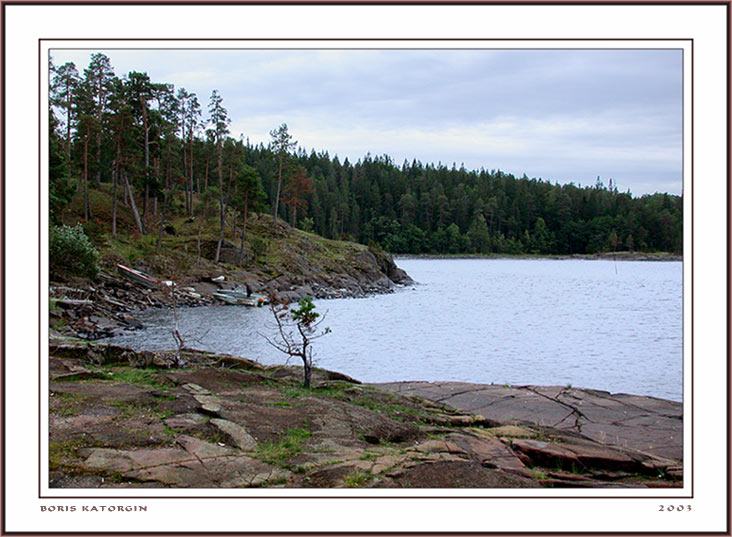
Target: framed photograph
[{"x": 445, "y": 264}]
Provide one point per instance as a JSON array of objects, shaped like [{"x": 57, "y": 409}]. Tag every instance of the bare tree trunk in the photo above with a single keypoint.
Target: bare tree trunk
[
  {"x": 221, "y": 232},
  {"x": 179, "y": 341},
  {"x": 222, "y": 206},
  {"x": 68, "y": 128},
  {"x": 308, "y": 372},
  {"x": 277, "y": 196},
  {"x": 188, "y": 189},
  {"x": 133, "y": 205},
  {"x": 98, "y": 175},
  {"x": 87, "y": 208},
  {"x": 198, "y": 239},
  {"x": 147, "y": 162},
  {"x": 115, "y": 173},
  {"x": 115, "y": 180},
  {"x": 307, "y": 363},
  {"x": 161, "y": 226},
  {"x": 244, "y": 226},
  {"x": 205, "y": 176},
  {"x": 125, "y": 198},
  {"x": 191, "y": 168}
]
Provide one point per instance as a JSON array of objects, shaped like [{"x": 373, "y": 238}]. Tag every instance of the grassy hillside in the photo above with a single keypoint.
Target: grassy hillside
[{"x": 277, "y": 257}]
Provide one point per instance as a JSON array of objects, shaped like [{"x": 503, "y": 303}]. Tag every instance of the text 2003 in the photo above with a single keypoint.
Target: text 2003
[{"x": 670, "y": 508}]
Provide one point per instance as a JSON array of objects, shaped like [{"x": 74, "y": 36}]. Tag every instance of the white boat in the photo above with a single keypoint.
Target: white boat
[
  {"x": 240, "y": 298},
  {"x": 137, "y": 276}
]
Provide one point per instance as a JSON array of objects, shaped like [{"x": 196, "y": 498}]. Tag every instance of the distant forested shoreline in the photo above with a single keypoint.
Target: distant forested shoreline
[{"x": 152, "y": 146}]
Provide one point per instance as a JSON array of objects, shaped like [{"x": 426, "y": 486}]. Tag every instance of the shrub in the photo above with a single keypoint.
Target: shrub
[
  {"x": 307, "y": 224},
  {"x": 259, "y": 246},
  {"x": 71, "y": 252}
]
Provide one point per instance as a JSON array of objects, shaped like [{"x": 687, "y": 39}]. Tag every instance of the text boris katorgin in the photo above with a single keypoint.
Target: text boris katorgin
[{"x": 93, "y": 508}]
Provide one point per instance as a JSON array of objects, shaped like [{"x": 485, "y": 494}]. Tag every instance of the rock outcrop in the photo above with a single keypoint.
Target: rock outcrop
[
  {"x": 600, "y": 430},
  {"x": 124, "y": 419},
  {"x": 297, "y": 264}
]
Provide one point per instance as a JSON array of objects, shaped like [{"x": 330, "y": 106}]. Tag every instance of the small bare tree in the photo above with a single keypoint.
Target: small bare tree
[
  {"x": 297, "y": 328},
  {"x": 170, "y": 289}
]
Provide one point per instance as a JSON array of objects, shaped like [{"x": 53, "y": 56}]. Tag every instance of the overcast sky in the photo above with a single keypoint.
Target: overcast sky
[{"x": 561, "y": 115}]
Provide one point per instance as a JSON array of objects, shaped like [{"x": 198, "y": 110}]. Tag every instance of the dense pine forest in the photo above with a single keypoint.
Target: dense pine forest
[{"x": 160, "y": 151}]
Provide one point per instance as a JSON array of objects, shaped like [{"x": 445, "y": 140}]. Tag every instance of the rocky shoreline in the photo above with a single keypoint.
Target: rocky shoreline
[
  {"x": 102, "y": 308},
  {"x": 125, "y": 419},
  {"x": 648, "y": 424}
]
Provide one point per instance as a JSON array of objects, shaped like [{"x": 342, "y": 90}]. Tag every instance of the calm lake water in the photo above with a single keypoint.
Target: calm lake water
[{"x": 615, "y": 326}]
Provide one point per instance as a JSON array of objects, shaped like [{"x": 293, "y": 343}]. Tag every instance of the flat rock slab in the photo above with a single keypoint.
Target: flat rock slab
[
  {"x": 240, "y": 436},
  {"x": 193, "y": 463},
  {"x": 646, "y": 424}
]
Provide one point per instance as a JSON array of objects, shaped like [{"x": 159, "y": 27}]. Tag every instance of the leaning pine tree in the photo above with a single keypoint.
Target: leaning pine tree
[{"x": 297, "y": 328}]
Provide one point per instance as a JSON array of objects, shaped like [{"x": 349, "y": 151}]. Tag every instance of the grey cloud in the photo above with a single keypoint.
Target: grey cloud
[{"x": 538, "y": 110}]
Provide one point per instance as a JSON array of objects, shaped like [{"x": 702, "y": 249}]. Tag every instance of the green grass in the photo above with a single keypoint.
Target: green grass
[
  {"x": 573, "y": 468},
  {"x": 272, "y": 482},
  {"x": 286, "y": 404},
  {"x": 278, "y": 452},
  {"x": 63, "y": 456},
  {"x": 60, "y": 452},
  {"x": 130, "y": 408},
  {"x": 344, "y": 391},
  {"x": 357, "y": 479},
  {"x": 147, "y": 377},
  {"x": 136, "y": 408},
  {"x": 335, "y": 391},
  {"x": 538, "y": 474},
  {"x": 70, "y": 404},
  {"x": 53, "y": 305},
  {"x": 295, "y": 392},
  {"x": 172, "y": 431}
]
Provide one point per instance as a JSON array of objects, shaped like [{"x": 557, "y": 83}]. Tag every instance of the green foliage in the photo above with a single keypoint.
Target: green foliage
[
  {"x": 249, "y": 190},
  {"x": 357, "y": 479},
  {"x": 289, "y": 445},
  {"x": 307, "y": 224},
  {"x": 259, "y": 246},
  {"x": 297, "y": 330},
  {"x": 334, "y": 391},
  {"x": 71, "y": 252},
  {"x": 60, "y": 188},
  {"x": 541, "y": 241},
  {"x": 147, "y": 377},
  {"x": 478, "y": 235},
  {"x": 69, "y": 404},
  {"x": 63, "y": 455},
  {"x": 132, "y": 127},
  {"x": 305, "y": 314}
]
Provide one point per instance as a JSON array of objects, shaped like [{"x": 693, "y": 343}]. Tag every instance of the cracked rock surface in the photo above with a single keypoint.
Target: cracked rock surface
[
  {"x": 120, "y": 419},
  {"x": 646, "y": 424}
]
